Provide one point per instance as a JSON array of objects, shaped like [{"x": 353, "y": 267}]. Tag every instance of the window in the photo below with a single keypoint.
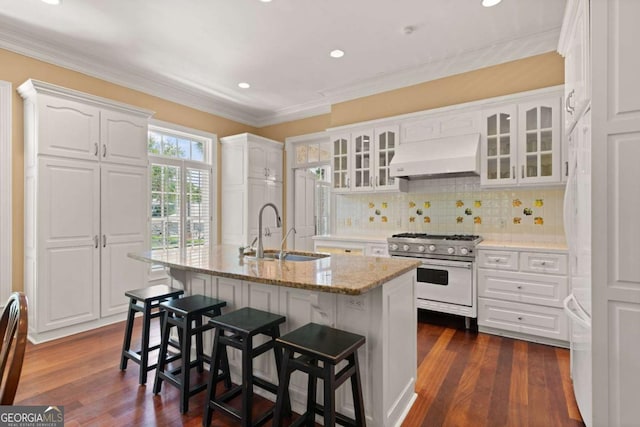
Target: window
[
  {"x": 182, "y": 191},
  {"x": 5, "y": 192}
]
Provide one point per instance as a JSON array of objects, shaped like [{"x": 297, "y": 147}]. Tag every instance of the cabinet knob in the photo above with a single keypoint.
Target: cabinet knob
[
  {"x": 519, "y": 287},
  {"x": 543, "y": 263},
  {"x": 520, "y": 318}
]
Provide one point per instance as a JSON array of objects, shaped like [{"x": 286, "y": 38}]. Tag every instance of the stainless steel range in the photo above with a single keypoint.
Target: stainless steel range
[{"x": 447, "y": 276}]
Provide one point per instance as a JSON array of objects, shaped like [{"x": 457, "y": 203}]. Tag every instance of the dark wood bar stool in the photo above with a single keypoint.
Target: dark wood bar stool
[
  {"x": 145, "y": 301},
  {"x": 183, "y": 313},
  {"x": 242, "y": 326},
  {"x": 318, "y": 343}
]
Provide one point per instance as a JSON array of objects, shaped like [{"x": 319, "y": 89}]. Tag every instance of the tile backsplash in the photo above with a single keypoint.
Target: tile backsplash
[{"x": 455, "y": 205}]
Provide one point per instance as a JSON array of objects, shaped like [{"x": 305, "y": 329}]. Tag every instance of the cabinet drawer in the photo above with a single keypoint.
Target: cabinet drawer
[
  {"x": 537, "y": 262},
  {"x": 523, "y": 287},
  {"x": 501, "y": 260},
  {"x": 536, "y": 320},
  {"x": 340, "y": 250}
]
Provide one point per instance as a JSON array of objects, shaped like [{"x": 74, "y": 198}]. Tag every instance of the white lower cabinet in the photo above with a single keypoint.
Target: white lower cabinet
[
  {"x": 514, "y": 301},
  {"x": 351, "y": 246}
]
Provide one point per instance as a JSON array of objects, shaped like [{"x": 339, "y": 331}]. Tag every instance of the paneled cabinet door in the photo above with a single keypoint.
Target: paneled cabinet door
[
  {"x": 125, "y": 211},
  {"x": 340, "y": 162},
  {"x": 362, "y": 147},
  {"x": 577, "y": 65},
  {"x": 386, "y": 141},
  {"x": 499, "y": 146},
  {"x": 67, "y": 128},
  {"x": 265, "y": 162},
  {"x": 539, "y": 136},
  {"x": 123, "y": 138},
  {"x": 68, "y": 220}
]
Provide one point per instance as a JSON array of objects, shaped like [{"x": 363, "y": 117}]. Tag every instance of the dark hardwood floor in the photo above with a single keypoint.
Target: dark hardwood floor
[{"x": 464, "y": 379}]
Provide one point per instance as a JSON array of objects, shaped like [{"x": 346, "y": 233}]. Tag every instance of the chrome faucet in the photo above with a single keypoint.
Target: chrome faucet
[
  {"x": 283, "y": 254},
  {"x": 260, "y": 250}
]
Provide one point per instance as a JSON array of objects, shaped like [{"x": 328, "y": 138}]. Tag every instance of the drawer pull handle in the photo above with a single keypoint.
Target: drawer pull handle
[
  {"x": 543, "y": 263},
  {"x": 497, "y": 260},
  {"x": 348, "y": 251}
]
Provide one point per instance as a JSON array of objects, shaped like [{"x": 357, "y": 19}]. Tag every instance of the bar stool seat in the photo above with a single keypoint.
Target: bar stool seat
[
  {"x": 183, "y": 313},
  {"x": 145, "y": 301},
  {"x": 242, "y": 326},
  {"x": 318, "y": 343}
]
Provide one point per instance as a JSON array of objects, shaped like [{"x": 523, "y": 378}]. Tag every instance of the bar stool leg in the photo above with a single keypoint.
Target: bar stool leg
[
  {"x": 126, "y": 345},
  {"x": 213, "y": 376},
  {"x": 186, "y": 365},
  {"x": 356, "y": 390},
  {"x": 224, "y": 364},
  {"x": 283, "y": 385},
  {"x": 247, "y": 382},
  {"x": 311, "y": 396},
  {"x": 162, "y": 356},
  {"x": 329, "y": 401},
  {"x": 144, "y": 354},
  {"x": 277, "y": 352},
  {"x": 199, "y": 347}
]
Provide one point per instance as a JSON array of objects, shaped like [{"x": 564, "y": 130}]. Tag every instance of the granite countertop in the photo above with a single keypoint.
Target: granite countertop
[
  {"x": 530, "y": 246},
  {"x": 341, "y": 274}
]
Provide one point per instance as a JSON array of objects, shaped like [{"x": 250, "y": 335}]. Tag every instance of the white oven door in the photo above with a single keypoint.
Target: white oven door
[{"x": 446, "y": 281}]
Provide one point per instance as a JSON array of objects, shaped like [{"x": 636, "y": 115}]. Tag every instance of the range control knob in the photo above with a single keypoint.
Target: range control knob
[
  {"x": 464, "y": 251},
  {"x": 393, "y": 247},
  {"x": 432, "y": 248},
  {"x": 420, "y": 248},
  {"x": 451, "y": 251},
  {"x": 405, "y": 248}
]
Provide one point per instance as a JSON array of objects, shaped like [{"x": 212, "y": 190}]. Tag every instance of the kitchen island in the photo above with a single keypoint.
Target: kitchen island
[{"x": 371, "y": 296}]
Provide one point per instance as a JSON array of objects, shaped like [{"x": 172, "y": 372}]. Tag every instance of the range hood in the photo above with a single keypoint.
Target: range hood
[{"x": 454, "y": 155}]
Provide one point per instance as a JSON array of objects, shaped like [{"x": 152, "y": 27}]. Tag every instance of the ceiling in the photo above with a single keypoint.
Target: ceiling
[{"x": 196, "y": 52}]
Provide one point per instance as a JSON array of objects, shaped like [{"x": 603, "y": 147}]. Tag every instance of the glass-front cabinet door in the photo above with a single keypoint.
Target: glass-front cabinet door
[
  {"x": 540, "y": 141},
  {"x": 340, "y": 162},
  {"x": 499, "y": 149},
  {"x": 362, "y": 166},
  {"x": 386, "y": 139}
]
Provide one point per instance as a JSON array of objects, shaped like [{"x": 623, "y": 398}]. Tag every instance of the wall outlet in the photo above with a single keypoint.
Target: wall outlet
[{"x": 357, "y": 303}]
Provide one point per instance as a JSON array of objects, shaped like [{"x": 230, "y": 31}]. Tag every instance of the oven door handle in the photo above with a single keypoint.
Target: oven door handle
[{"x": 425, "y": 264}]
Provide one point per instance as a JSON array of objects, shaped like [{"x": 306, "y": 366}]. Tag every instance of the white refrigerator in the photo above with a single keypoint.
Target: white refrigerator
[{"x": 577, "y": 224}]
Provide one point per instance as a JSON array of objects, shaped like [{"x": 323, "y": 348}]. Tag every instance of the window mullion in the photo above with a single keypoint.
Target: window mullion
[{"x": 183, "y": 209}]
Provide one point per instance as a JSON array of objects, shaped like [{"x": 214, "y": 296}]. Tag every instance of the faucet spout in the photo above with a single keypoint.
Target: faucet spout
[
  {"x": 283, "y": 254},
  {"x": 260, "y": 250}
]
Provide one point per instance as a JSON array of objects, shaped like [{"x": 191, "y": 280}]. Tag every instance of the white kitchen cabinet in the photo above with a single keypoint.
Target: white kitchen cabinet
[
  {"x": 251, "y": 175},
  {"x": 440, "y": 126},
  {"x": 521, "y": 143},
  {"x": 574, "y": 46},
  {"x": 86, "y": 208},
  {"x": 345, "y": 245},
  {"x": 360, "y": 160},
  {"x": 520, "y": 294}
]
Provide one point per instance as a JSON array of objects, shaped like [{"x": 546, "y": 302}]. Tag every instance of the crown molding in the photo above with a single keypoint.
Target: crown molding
[{"x": 16, "y": 39}]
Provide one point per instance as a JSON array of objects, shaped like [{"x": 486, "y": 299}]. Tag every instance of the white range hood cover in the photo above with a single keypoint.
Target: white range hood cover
[{"x": 451, "y": 155}]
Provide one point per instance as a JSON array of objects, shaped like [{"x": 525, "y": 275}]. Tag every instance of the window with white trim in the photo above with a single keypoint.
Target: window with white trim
[{"x": 182, "y": 192}]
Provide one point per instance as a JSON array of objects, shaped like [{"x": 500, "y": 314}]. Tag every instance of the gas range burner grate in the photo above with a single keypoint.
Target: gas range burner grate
[{"x": 461, "y": 237}]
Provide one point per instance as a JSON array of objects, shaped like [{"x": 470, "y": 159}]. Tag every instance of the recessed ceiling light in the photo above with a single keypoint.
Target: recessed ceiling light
[
  {"x": 265, "y": 1},
  {"x": 337, "y": 53},
  {"x": 489, "y": 3},
  {"x": 53, "y": 2},
  {"x": 244, "y": 85}
]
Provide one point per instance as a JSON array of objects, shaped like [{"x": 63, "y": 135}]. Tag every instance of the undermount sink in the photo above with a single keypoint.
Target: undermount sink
[{"x": 270, "y": 256}]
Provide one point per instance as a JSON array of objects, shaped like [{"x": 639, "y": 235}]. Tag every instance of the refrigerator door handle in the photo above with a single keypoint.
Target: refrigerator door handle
[{"x": 576, "y": 313}]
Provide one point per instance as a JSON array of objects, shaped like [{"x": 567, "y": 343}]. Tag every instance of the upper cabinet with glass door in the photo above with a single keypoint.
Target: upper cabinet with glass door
[
  {"x": 540, "y": 158},
  {"x": 499, "y": 146},
  {"x": 340, "y": 162},
  {"x": 521, "y": 143},
  {"x": 360, "y": 161}
]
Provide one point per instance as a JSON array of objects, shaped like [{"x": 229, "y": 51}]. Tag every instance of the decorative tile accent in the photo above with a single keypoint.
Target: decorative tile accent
[
  {"x": 517, "y": 220},
  {"x": 539, "y": 203},
  {"x": 516, "y": 203},
  {"x": 384, "y": 218},
  {"x": 468, "y": 211},
  {"x": 477, "y": 203},
  {"x": 372, "y": 205},
  {"x": 527, "y": 211},
  {"x": 426, "y": 204},
  {"x": 459, "y": 203},
  {"x": 419, "y": 212},
  {"x": 538, "y": 220},
  {"x": 459, "y": 220},
  {"x": 412, "y": 219},
  {"x": 477, "y": 220},
  {"x": 384, "y": 205},
  {"x": 412, "y": 204},
  {"x": 426, "y": 220}
]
